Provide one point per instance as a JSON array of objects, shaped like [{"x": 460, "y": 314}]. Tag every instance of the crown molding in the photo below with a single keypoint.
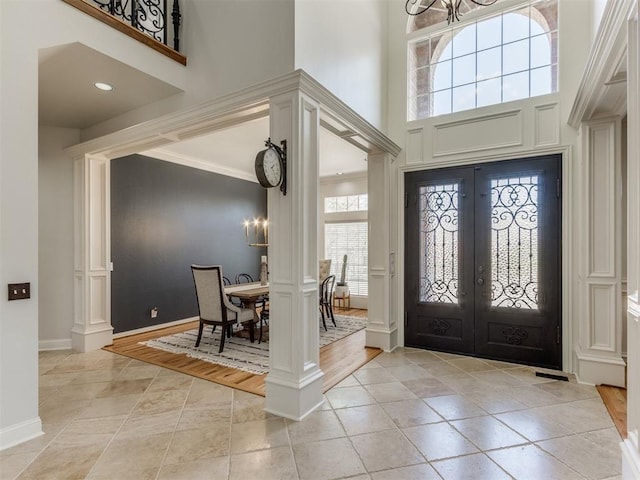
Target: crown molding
[{"x": 608, "y": 51}]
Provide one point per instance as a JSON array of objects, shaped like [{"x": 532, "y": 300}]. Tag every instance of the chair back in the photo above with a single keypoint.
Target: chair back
[
  {"x": 244, "y": 278},
  {"x": 324, "y": 268},
  {"x": 326, "y": 289},
  {"x": 209, "y": 292}
]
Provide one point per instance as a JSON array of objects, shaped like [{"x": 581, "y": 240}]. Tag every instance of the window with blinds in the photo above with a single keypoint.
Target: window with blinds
[{"x": 348, "y": 238}]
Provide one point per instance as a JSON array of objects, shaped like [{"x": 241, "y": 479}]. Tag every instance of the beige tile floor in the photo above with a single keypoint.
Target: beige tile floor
[{"x": 411, "y": 414}]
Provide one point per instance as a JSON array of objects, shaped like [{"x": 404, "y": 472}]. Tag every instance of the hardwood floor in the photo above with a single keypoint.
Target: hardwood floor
[
  {"x": 615, "y": 399},
  {"x": 337, "y": 360}
]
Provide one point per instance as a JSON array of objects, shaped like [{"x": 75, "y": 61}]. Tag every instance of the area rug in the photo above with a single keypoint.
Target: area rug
[{"x": 238, "y": 351}]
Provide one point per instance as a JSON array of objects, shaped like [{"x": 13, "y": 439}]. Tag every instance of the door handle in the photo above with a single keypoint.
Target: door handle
[{"x": 480, "y": 281}]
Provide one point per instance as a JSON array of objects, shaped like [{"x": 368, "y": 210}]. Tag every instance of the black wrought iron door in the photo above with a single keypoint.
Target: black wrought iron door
[{"x": 482, "y": 268}]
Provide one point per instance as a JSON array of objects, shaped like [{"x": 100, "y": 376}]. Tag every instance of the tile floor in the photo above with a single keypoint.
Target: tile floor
[{"x": 407, "y": 415}]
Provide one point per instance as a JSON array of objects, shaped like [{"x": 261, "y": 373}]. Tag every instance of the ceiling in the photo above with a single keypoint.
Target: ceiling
[{"x": 67, "y": 98}]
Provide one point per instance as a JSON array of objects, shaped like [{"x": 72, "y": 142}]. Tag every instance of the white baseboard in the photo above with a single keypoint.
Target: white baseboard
[
  {"x": 20, "y": 433},
  {"x": 630, "y": 461},
  {"x": 154, "y": 327},
  {"x": 59, "y": 344}
]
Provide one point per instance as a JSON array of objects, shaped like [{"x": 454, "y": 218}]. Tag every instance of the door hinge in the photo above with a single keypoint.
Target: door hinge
[
  {"x": 558, "y": 334},
  {"x": 406, "y": 319},
  {"x": 558, "y": 186}
]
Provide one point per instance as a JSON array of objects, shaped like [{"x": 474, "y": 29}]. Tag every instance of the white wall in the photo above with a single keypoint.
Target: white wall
[
  {"x": 342, "y": 44},
  {"x": 229, "y": 45},
  {"x": 55, "y": 252},
  {"x": 18, "y": 231}
]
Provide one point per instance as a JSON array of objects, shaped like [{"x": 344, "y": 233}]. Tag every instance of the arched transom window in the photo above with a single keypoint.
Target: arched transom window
[{"x": 496, "y": 59}]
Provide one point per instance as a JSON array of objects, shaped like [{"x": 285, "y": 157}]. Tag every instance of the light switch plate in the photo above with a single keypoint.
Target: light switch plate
[{"x": 19, "y": 291}]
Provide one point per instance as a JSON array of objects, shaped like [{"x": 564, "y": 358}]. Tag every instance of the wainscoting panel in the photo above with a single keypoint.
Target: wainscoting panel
[
  {"x": 478, "y": 133},
  {"x": 415, "y": 146},
  {"x": 546, "y": 127},
  {"x": 603, "y": 317}
]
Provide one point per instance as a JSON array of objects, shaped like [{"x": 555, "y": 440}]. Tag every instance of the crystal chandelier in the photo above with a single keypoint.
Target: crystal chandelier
[{"x": 418, "y": 7}]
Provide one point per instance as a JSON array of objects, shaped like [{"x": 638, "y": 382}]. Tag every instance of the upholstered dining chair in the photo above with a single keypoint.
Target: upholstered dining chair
[
  {"x": 213, "y": 304},
  {"x": 326, "y": 292},
  {"x": 324, "y": 268}
]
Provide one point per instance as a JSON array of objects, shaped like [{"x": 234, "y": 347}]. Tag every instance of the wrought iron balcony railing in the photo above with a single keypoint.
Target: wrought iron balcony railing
[
  {"x": 148, "y": 16},
  {"x": 148, "y": 21}
]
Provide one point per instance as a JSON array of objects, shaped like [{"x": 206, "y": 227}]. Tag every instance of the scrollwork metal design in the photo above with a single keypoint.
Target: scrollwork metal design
[
  {"x": 439, "y": 243},
  {"x": 148, "y": 16},
  {"x": 514, "y": 242},
  {"x": 515, "y": 335},
  {"x": 439, "y": 326}
]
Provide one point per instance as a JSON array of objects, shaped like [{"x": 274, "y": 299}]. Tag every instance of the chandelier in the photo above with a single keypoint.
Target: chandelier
[
  {"x": 452, "y": 6},
  {"x": 256, "y": 232}
]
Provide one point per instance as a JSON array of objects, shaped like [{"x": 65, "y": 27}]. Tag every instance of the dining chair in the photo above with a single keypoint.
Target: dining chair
[
  {"x": 324, "y": 268},
  {"x": 214, "y": 306},
  {"x": 326, "y": 292},
  {"x": 244, "y": 278}
]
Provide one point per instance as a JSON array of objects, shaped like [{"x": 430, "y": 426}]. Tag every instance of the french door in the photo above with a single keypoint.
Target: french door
[{"x": 482, "y": 257}]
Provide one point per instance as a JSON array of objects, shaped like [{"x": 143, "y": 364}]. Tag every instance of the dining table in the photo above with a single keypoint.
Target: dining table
[{"x": 249, "y": 294}]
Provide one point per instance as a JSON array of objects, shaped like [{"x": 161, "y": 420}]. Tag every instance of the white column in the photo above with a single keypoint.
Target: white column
[
  {"x": 599, "y": 349},
  {"x": 92, "y": 229},
  {"x": 382, "y": 329},
  {"x": 631, "y": 447},
  {"x": 294, "y": 383}
]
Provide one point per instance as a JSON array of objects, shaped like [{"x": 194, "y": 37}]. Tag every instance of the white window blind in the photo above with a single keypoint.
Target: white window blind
[{"x": 348, "y": 238}]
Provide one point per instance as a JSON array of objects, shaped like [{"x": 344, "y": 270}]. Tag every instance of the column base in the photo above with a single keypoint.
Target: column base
[
  {"x": 630, "y": 460},
  {"x": 88, "y": 340},
  {"x": 20, "y": 433},
  {"x": 596, "y": 370},
  {"x": 387, "y": 340},
  {"x": 293, "y": 400}
]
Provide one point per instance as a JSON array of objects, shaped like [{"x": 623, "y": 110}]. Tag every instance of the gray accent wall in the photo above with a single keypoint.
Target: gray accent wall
[{"x": 165, "y": 217}]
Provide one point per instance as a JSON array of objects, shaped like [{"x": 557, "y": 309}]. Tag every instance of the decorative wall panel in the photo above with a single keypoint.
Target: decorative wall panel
[
  {"x": 547, "y": 125},
  {"x": 479, "y": 133},
  {"x": 415, "y": 150},
  {"x": 603, "y": 317}
]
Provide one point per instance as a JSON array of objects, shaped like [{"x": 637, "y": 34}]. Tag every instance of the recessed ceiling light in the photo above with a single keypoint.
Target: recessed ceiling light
[
  {"x": 339, "y": 173},
  {"x": 103, "y": 86}
]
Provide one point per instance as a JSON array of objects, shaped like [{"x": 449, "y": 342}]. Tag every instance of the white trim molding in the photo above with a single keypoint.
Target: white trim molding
[
  {"x": 92, "y": 256},
  {"x": 56, "y": 344},
  {"x": 599, "y": 345},
  {"x": 608, "y": 52},
  {"x": 20, "y": 433}
]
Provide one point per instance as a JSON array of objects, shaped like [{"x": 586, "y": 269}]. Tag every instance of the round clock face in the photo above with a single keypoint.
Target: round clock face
[{"x": 269, "y": 168}]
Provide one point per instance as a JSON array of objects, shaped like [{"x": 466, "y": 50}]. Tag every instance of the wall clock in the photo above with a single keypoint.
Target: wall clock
[{"x": 271, "y": 166}]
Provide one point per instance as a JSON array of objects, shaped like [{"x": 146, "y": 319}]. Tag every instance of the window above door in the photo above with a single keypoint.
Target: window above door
[{"x": 494, "y": 59}]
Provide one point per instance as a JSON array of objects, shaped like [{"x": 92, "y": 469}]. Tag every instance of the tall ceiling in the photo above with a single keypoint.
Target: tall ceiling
[{"x": 68, "y": 98}]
